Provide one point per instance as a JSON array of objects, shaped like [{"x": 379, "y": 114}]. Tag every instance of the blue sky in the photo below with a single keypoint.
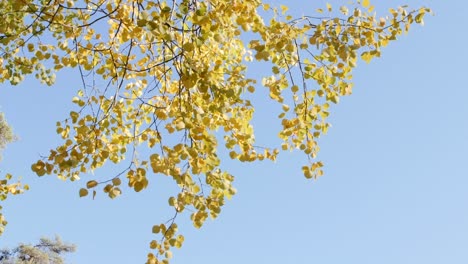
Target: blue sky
[{"x": 395, "y": 165}]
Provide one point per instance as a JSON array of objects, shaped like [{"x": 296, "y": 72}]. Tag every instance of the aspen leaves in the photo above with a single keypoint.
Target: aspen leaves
[
  {"x": 8, "y": 188},
  {"x": 165, "y": 84}
]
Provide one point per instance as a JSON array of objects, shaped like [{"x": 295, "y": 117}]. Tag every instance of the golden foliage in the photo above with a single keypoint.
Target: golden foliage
[{"x": 163, "y": 80}]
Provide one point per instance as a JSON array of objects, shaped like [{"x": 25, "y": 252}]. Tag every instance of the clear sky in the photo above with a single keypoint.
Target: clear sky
[{"x": 395, "y": 189}]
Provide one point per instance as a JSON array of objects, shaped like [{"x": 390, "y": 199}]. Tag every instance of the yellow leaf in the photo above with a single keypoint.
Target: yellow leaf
[
  {"x": 344, "y": 10},
  {"x": 365, "y": 3},
  {"x": 284, "y": 9},
  {"x": 91, "y": 184},
  {"x": 116, "y": 181},
  {"x": 366, "y": 56},
  {"x": 188, "y": 47},
  {"x": 153, "y": 244},
  {"x": 156, "y": 229},
  {"x": 115, "y": 192},
  {"x": 83, "y": 192},
  {"x": 233, "y": 154},
  {"x": 419, "y": 18}
]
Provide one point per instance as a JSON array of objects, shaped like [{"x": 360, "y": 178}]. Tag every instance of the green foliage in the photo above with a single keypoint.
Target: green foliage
[
  {"x": 176, "y": 82},
  {"x": 47, "y": 251}
]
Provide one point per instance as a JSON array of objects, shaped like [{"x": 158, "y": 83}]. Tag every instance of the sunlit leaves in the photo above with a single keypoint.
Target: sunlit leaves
[
  {"x": 8, "y": 188},
  {"x": 163, "y": 83}
]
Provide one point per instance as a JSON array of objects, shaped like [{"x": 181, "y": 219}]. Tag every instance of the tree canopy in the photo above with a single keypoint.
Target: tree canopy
[
  {"x": 165, "y": 87},
  {"x": 47, "y": 251}
]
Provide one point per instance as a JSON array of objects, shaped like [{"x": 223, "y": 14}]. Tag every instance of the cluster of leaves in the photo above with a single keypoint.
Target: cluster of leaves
[
  {"x": 162, "y": 81},
  {"x": 7, "y": 188},
  {"x": 7, "y": 136},
  {"x": 47, "y": 251}
]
